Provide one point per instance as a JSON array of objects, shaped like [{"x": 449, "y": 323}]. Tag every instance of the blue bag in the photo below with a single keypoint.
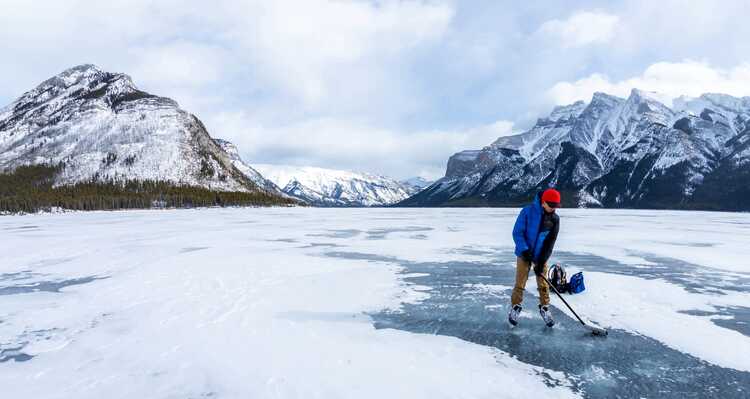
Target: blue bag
[{"x": 576, "y": 283}]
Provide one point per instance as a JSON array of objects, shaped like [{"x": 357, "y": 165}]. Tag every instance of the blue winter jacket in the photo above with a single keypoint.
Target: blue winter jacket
[{"x": 527, "y": 235}]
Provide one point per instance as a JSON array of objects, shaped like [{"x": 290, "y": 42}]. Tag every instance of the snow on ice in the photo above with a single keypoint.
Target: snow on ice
[{"x": 366, "y": 303}]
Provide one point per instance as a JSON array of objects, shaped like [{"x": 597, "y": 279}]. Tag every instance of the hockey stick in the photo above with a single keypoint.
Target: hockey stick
[{"x": 594, "y": 330}]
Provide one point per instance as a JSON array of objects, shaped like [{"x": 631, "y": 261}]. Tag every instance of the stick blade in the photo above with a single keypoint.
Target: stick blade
[{"x": 598, "y": 331}]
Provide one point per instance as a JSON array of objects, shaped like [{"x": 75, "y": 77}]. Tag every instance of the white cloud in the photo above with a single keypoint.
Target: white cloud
[
  {"x": 178, "y": 64},
  {"x": 339, "y": 52},
  {"x": 670, "y": 79},
  {"x": 582, "y": 28},
  {"x": 321, "y": 54},
  {"x": 341, "y": 71},
  {"x": 281, "y": 77},
  {"x": 480, "y": 136}
]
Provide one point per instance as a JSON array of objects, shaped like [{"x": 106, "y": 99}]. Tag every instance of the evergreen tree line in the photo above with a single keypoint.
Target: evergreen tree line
[{"x": 31, "y": 189}]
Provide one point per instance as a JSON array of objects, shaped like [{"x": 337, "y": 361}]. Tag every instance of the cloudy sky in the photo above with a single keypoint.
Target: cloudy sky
[{"x": 390, "y": 87}]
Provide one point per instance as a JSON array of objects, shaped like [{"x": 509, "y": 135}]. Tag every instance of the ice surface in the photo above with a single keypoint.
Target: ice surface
[
  {"x": 624, "y": 365},
  {"x": 222, "y": 303},
  {"x": 656, "y": 308},
  {"x": 359, "y": 303}
]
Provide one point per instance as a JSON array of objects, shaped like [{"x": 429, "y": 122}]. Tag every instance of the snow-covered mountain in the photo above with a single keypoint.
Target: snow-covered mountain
[
  {"x": 101, "y": 126},
  {"x": 246, "y": 169},
  {"x": 329, "y": 187},
  {"x": 415, "y": 184},
  {"x": 613, "y": 152}
]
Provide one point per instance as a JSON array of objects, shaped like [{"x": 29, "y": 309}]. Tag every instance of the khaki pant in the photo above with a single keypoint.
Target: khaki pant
[{"x": 522, "y": 275}]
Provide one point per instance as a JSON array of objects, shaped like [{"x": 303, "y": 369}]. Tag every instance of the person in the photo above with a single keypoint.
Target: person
[{"x": 534, "y": 235}]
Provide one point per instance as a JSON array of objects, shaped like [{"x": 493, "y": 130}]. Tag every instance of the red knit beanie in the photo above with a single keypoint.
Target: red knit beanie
[{"x": 551, "y": 195}]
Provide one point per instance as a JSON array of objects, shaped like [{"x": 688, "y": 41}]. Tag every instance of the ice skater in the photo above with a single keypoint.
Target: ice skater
[{"x": 534, "y": 234}]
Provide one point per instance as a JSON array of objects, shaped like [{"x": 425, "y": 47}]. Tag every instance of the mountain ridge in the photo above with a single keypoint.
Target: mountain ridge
[
  {"x": 611, "y": 152},
  {"x": 332, "y": 187},
  {"x": 98, "y": 126}
]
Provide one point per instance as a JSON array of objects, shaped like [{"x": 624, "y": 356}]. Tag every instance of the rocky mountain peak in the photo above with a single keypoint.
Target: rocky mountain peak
[
  {"x": 634, "y": 152},
  {"x": 74, "y": 75},
  {"x": 100, "y": 126},
  {"x": 82, "y": 88},
  {"x": 601, "y": 104},
  {"x": 727, "y": 102},
  {"x": 567, "y": 111},
  {"x": 599, "y": 99},
  {"x": 650, "y": 101},
  {"x": 84, "y": 79},
  {"x": 644, "y": 107}
]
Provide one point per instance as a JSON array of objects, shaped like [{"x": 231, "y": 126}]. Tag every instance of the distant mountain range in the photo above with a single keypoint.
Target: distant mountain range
[
  {"x": 329, "y": 187},
  {"x": 91, "y": 126},
  {"x": 613, "y": 152},
  {"x": 101, "y": 128}
]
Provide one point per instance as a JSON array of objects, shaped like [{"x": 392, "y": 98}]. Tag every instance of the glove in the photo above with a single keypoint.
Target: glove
[
  {"x": 526, "y": 255},
  {"x": 538, "y": 269}
]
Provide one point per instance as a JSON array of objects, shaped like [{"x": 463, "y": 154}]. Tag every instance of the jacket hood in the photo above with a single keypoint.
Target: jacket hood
[{"x": 537, "y": 202}]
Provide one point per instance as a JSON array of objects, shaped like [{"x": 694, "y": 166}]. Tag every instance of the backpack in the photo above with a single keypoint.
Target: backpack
[
  {"x": 576, "y": 283},
  {"x": 558, "y": 277}
]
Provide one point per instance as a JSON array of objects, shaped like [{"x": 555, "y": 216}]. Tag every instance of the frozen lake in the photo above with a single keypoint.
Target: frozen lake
[{"x": 367, "y": 303}]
